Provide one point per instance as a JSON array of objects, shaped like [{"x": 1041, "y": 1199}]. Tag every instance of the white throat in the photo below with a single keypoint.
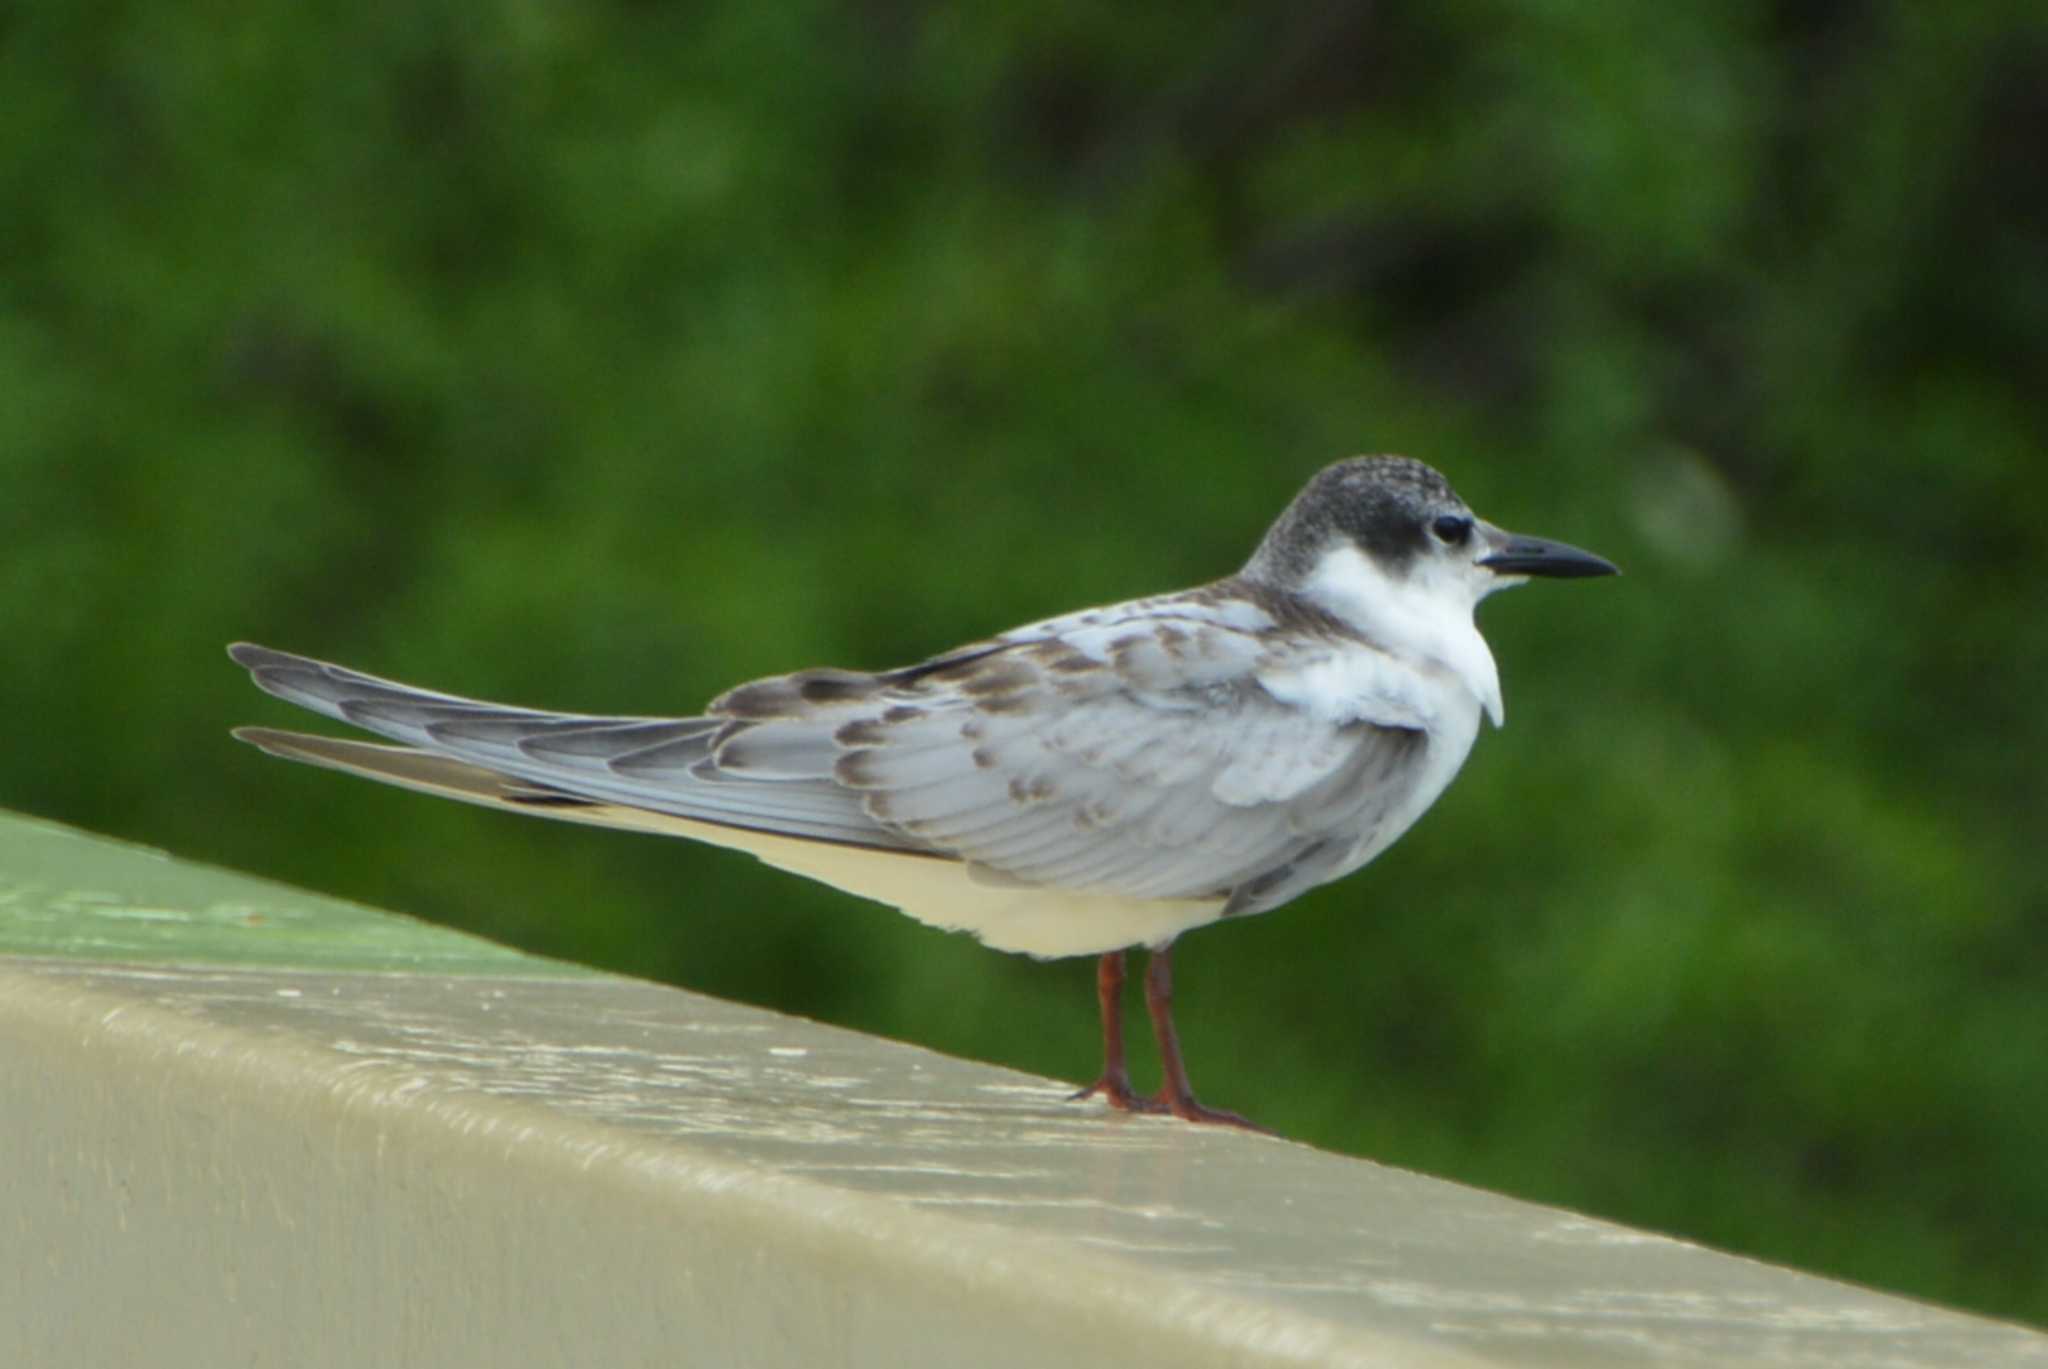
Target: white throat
[{"x": 1424, "y": 617}]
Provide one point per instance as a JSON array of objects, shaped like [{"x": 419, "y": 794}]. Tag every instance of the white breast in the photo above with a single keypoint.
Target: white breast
[{"x": 1424, "y": 617}]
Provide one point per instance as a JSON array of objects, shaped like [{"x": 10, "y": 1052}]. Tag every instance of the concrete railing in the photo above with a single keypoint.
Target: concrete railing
[{"x": 241, "y": 1124}]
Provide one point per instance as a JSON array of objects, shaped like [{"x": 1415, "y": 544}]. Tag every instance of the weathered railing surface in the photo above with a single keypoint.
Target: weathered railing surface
[{"x": 245, "y": 1125}]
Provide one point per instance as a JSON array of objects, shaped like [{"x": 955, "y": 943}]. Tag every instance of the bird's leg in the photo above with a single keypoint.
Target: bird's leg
[
  {"x": 1175, "y": 1094},
  {"x": 1115, "y": 1082}
]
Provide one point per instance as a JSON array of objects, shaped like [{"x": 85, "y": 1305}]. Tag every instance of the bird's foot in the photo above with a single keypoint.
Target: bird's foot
[
  {"x": 1115, "y": 1089},
  {"x": 1185, "y": 1107}
]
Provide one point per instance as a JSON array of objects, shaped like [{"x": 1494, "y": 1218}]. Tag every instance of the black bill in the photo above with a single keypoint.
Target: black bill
[{"x": 1540, "y": 556}]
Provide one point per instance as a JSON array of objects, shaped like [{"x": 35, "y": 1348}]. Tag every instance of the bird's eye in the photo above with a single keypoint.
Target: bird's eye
[{"x": 1452, "y": 530}]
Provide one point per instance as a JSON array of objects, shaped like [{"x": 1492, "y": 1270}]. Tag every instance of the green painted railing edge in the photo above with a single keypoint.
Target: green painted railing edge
[{"x": 71, "y": 894}]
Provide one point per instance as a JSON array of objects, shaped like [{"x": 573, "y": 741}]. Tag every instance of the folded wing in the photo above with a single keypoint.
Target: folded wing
[{"x": 1145, "y": 758}]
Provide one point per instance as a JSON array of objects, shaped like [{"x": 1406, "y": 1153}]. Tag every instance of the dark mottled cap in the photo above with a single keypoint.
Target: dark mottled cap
[{"x": 1382, "y": 503}]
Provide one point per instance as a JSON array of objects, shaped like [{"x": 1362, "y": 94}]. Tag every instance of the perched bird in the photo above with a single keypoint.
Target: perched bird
[{"x": 1102, "y": 780}]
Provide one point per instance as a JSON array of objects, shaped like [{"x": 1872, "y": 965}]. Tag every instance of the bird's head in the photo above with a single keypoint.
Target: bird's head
[{"x": 1384, "y": 526}]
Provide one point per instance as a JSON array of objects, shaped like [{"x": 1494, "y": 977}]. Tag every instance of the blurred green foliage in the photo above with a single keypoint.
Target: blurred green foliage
[{"x": 602, "y": 355}]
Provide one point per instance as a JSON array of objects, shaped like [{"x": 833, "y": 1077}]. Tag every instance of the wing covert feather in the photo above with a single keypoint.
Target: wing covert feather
[{"x": 1089, "y": 774}]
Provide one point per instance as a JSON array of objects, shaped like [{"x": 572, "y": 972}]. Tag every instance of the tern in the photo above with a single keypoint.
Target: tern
[{"x": 1098, "y": 781}]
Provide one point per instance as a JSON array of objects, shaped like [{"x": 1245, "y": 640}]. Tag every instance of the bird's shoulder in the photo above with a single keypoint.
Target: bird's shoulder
[
  {"x": 1227, "y": 647},
  {"x": 1233, "y": 641}
]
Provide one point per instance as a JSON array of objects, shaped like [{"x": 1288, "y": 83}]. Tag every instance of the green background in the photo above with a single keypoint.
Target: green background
[{"x": 599, "y": 356}]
